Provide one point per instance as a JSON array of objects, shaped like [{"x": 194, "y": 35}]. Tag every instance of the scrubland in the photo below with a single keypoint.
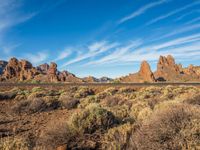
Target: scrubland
[{"x": 114, "y": 118}]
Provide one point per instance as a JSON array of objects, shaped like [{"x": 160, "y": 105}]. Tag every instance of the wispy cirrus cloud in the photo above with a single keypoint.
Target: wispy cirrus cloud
[
  {"x": 182, "y": 48},
  {"x": 92, "y": 50},
  {"x": 37, "y": 58},
  {"x": 187, "y": 14},
  {"x": 117, "y": 53},
  {"x": 63, "y": 54},
  {"x": 8, "y": 49},
  {"x": 11, "y": 15},
  {"x": 172, "y": 13},
  {"x": 142, "y": 10}
]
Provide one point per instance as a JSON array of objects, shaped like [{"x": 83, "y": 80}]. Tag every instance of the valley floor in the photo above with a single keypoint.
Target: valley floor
[{"x": 100, "y": 117}]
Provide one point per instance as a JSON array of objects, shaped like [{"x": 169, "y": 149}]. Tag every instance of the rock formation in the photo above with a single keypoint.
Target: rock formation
[
  {"x": 168, "y": 70},
  {"x": 23, "y": 70},
  {"x": 90, "y": 79},
  {"x": 2, "y": 66},
  {"x": 66, "y": 76},
  {"x": 43, "y": 68},
  {"x": 19, "y": 70},
  {"x": 144, "y": 75},
  {"x": 52, "y": 72}
]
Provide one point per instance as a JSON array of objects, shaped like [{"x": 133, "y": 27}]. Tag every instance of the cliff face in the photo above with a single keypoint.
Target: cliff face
[
  {"x": 2, "y": 66},
  {"x": 23, "y": 70},
  {"x": 144, "y": 75},
  {"x": 168, "y": 70}
]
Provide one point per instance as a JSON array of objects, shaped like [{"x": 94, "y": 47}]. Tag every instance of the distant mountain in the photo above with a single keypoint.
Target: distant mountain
[{"x": 105, "y": 79}]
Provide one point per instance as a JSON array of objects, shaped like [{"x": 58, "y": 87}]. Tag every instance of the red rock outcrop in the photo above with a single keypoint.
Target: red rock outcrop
[
  {"x": 66, "y": 76},
  {"x": 19, "y": 70},
  {"x": 144, "y": 75},
  {"x": 52, "y": 72},
  {"x": 43, "y": 68},
  {"x": 3, "y": 64},
  {"x": 168, "y": 70}
]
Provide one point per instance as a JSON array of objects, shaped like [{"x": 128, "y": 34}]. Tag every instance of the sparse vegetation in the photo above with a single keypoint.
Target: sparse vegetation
[{"x": 104, "y": 118}]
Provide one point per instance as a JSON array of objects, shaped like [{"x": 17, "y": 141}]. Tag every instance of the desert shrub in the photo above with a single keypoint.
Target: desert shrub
[
  {"x": 51, "y": 102},
  {"x": 117, "y": 138},
  {"x": 126, "y": 90},
  {"x": 13, "y": 143},
  {"x": 36, "y": 95},
  {"x": 194, "y": 100},
  {"x": 8, "y": 95},
  {"x": 88, "y": 100},
  {"x": 144, "y": 114},
  {"x": 20, "y": 97},
  {"x": 175, "y": 127},
  {"x": 37, "y": 89},
  {"x": 30, "y": 106},
  {"x": 121, "y": 113},
  {"x": 111, "y": 101},
  {"x": 165, "y": 104},
  {"x": 57, "y": 133},
  {"x": 92, "y": 118},
  {"x": 83, "y": 92},
  {"x": 68, "y": 102},
  {"x": 137, "y": 108}
]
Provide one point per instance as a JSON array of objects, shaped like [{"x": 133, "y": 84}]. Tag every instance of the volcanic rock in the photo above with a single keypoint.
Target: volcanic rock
[
  {"x": 52, "y": 72},
  {"x": 144, "y": 75},
  {"x": 66, "y": 76},
  {"x": 43, "y": 68},
  {"x": 2, "y": 66},
  {"x": 90, "y": 79},
  {"x": 168, "y": 70},
  {"x": 19, "y": 70}
]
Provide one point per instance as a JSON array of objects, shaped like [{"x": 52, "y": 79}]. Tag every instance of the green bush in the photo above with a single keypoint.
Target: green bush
[
  {"x": 92, "y": 118},
  {"x": 83, "y": 92}
]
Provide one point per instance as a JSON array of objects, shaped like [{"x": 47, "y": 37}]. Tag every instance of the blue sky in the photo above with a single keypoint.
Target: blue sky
[{"x": 100, "y": 37}]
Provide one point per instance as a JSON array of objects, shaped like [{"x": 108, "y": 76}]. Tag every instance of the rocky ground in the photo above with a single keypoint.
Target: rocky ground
[{"x": 100, "y": 118}]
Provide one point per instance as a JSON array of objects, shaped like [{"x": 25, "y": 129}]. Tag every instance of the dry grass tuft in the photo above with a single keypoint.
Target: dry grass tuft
[{"x": 175, "y": 127}]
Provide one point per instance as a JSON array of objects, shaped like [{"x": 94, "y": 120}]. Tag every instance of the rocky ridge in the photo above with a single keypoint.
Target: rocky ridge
[{"x": 167, "y": 71}]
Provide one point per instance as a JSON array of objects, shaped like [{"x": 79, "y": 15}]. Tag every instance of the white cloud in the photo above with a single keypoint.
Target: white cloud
[
  {"x": 172, "y": 13},
  {"x": 178, "y": 41},
  {"x": 8, "y": 49},
  {"x": 11, "y": 15},
  {"x": 193, "y": 20},
  {"x": 117, "y": 53},
  {"x": 187, "y": 14},
  {"x": 64, "y": 54},
  {"x": 37, "y": 58},
  {"x": 180, "y": 30},
  {"x": 141, "y": 10},
  {"x": 93, "y": 50},
  {"x": 182, "y": 47}
]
